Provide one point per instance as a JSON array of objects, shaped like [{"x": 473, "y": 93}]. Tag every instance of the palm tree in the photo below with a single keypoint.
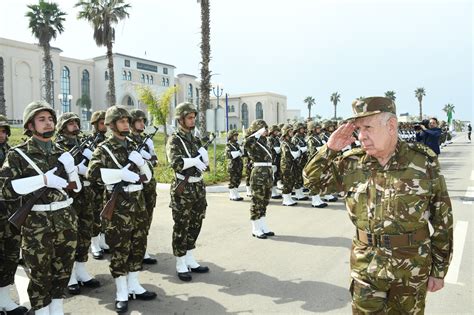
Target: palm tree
[
  {"x": 310, "y": 101},
  {"x": 3, "y": 110},
  {"x": 103, "y": 14},
  {"x": 335, "y": 99},
  {"x": 390, "y": 95},
  {"x": 449, "y": 109},
  {"x": 360, "y": 98},
  {"x": 45, "y": 22},
  {"x": 419, "y": 93},
  {"x": 206, "y": 58}
]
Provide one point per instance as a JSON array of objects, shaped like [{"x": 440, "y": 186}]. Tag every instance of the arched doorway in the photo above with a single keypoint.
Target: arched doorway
[{"x": 245, "y": 115}]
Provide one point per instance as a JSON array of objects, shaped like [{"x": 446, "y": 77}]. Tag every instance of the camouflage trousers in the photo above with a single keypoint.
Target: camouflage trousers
[
  {"x": 149, "y": 194},
  {"x": 261, "y": 183},
  {"x": 9, "y": 246},
  {"x": 248, "y": 171},
  {"x": 97, "y": 204},
  {"x": 298, "y": 174},
  {"x": 126, "y": 234},
  {"x": 235, "y": 177},
  {"x": 85, "y": 208},
  {"x": 188, "y": 210},
  {"x": 277, "y": 174},
  {"x": 287, "y": 180},
  {"x": 389, "y": 284},
  {"x": 48, "y": 248}
]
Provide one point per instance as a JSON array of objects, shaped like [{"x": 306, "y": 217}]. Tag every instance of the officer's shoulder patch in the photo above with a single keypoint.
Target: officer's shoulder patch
[
  {"x": 354, "y": 151},
  {"x": 421, "y": 148}
]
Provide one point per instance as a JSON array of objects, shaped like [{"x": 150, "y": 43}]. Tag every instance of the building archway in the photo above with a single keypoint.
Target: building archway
[
  {"x": 258, "y": 111},
  {"x": 245, "y": 115}
]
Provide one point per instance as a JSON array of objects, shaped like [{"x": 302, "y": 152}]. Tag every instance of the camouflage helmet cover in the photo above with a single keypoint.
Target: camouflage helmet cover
[
  {"x": 231, "y": 133},
  {"x": 65, "y": 118},
  {"x": 274, "y": 128},
  {"x": 115, "y": 113},
  {"x": 286, "y": 130},
  {"x": 256, "y": 125},
  {"x": 299, "y": 125},
  {"x": 97, "y": 115},
  {"x": 35, "y": 107},
  {"x": 184, "y": 109},
  {"x": 4, "y": 123},
  {"x": 313, "y": 125},
  {"x": 138, "y": 114}
]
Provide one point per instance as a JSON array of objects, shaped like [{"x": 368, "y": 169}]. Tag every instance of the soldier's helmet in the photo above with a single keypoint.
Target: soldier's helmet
[
  {"x": 286, "y": 130},
  {"x": 256, "y": 125},
  {"x": 184, "y": 109},
  {"x": 65, "y": 118},
  {"x": 97, "y": 115},
  {"x": 138, "y": 114},
  {"x": 4, "y": 123},
  {"x": 35, "y": 107},
  {"x": 231, "y": 133},
  {"x": 298, "y": 126},
  {"x": 274, "y": 128},
  {"x": 115, "y": 113},
  {"x": 311, "y": 125}
]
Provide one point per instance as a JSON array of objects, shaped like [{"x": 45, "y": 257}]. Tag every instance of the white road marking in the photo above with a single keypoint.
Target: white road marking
[
  {"x": 459, "y": 237},
  {"x": 21, "y": 283},
  {"x": 469, "y": 196}
]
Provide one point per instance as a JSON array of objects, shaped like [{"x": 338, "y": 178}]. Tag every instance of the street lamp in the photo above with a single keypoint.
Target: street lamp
[
  {"x": 217, "y": 90},
  {"x": 65, "y": 99}
]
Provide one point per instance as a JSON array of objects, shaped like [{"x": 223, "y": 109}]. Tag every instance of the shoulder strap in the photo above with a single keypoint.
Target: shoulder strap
[
  {"x": 112, "y": 156},
  {"x": 30, "y": 161},
  {"x": 184, "y": 146}
]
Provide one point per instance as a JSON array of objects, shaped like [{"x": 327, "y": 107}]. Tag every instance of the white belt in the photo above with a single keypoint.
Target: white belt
[
  {"x": 191, "y": 179},
  {"x": 129, "y": 188},
  {"x": 53, "y": 206},
  {"x": 86, "y": 183},
  {"x": 262, "y": 164}
]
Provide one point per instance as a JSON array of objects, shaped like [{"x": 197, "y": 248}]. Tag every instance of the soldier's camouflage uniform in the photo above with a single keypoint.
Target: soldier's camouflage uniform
[
  {"x": 9, "y": 235},
  {"x": 261, "y": 180},
  {"x": 274, "y": 142},
  {"x": 189, "y": 208},
  {"x": 299, "y": 141},
  {"x": 247, "y": 162},
  {"x": 314, "y": 144},
  {"x": 234, "y": 166},
  {"x": 288, "y": 165},
  {"x": 396, "y": 199},
  {"x": 126, "y": 232},
  {"x": 99, "y": 195},
  {"x": 49, "y": 237}
]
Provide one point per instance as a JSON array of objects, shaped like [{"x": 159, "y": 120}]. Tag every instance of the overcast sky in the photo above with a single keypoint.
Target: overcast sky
[{"x": 297, "y": 48}]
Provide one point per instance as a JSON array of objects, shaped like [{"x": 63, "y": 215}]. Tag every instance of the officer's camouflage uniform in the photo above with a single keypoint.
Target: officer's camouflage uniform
[
  {"x": 261, "y": 179},
  {"x": 288, "y": 164},
  {"x": 234, "y": 166},
  {"x": 49, "y": 237},
  {"x": 299, "y": 141},
  {"x": 126, "y": 232},
  {"x": 390, "y": 276},
  {"x": 189, "y": 208},
  {"x": 274, "y": 142}
]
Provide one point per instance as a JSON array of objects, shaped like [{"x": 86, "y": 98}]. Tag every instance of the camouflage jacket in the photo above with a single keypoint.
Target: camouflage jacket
[
  {"x": 233, "y": 164},
  {"x": 275, "y": 142},
  {"x": 400, "y": 197},
  {"x": 16, "y": 167},
  {"x": 138, "y": 140},
  {"x": 3, "y": 152},
  {"x": 288, "y": 163},
  {"x": 67, "y": 144},
  {"x": 314, "y": 142},
  {"x": 258, "y": 150},
  {"x": 176, "y": 152}
]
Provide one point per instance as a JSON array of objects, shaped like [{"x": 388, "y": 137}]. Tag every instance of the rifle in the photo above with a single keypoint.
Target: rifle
[
  {"x": 109, "y": 207},
  {"x": 180, "y": 188},
  {"x": 19, "y": 217}
]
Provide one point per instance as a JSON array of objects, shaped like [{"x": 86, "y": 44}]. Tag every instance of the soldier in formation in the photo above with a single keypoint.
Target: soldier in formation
[
  {"x": 137, "y": 127},
  {"x": 234, "y": 164},
  {"x": 288, "y": 164},
  {"x": 327, "y": 130},
  {"x": 67, "y": 131},
  {"x": 314, "y": 144},
  {"x": 10, "y": 237},
  {"x": 393, "y": 191},
  {"x": 248, "y": 169},
  {"x": 261, "y": 178},
  {"x": 299, "y": 141},
  {"x": 188, "y": 159},
  {"x": 116, "y": 164},
  {"x": 50, "y": 229},
  {"x": 274, "y": 143}
]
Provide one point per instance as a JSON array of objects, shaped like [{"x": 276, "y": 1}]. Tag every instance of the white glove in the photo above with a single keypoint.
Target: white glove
[
  {"x": 303, "y": 149},
  {"x": 196, "y": 162},
  {"x": 129, "y": 176},
  {"x": 136, "y": 158},
  {"x": 295, "y": 154},
  {"x": 145, "y": 154},
  {"x": 53, "y": 181},
  {"x": 235, "y": 154},
  {"x": 277, "y": 150},
  {"x": 274, "y": 169},
  {"x": 68, "y": 161},
  {"x": 82, "y": 168},
  {"x": 259, "y": 132},
  {"x": 87, "y": 154},
  {"x": 204, "y": 154},
  {"x": 150, "y": 145}
]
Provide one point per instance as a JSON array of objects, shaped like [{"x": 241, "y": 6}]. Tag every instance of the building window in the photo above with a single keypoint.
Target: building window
[
  {"x": 165, "y": 70},
  {"x": 127, "y": 63},
  {"x": 245, "y": 115},
  {"x": 85, "y": 84},
  {"x": 147, "y": 79},
  {"x": 124, "y": 75},
  {"x": 129, "y": 76},
  {"x": 231, "y": 108},
  {"x": 151, "y": 79},
  {"x": 163, "y": 82},
  {"x": 106, "y": 75},
  {"x": 259, "y": 111},
  {"x": 130, "y": 101},
  {"x": 197, "y": 97},
  {"x": 143, "y": 78},
  {"x": 66, "y": 90},
  {"x": 190, "y": 93},
  {"x": 167, "y": 82}
]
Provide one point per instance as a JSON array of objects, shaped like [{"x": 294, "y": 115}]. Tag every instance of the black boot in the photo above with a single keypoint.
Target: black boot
[{"x": 121, "y": 306}]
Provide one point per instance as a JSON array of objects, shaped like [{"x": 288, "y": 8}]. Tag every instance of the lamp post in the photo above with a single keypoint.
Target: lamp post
[
  {"x": 64, "y": 98},
  {"x": 217, "y": 90}
]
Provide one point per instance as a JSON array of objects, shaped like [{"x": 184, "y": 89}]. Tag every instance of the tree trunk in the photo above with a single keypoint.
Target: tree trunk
[
  {"x": 48, "y": 84},
  {"x": 335, "y": 111},
  {"x": 421, "y": 109},
  {"x": 3, "y": 110},
  {"x": 110, "y": 65},
  {"x": 309, "y": 111},
  {"x": 206, "y": 57},
  {"x": 166, "y": 141}
]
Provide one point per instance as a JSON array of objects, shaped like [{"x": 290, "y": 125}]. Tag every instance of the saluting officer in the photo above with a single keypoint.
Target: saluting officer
[
  {"x": 288, "y": 164},
  {"x": 274, "y": 143},
  {"x": 234, "y": 164},
  {"x": 188, "y": 159},
  {"x": 9, "y": 236},
  {"x": 114, "y": 161},
  {"x": 50, "y": 230},
  {"x": 261, "y": 178},
  {"x": 68, "y": 129},
  {"x": 139, "y": 121}
]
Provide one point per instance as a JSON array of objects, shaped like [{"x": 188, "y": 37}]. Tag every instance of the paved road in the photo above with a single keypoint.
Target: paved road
[{"x": 304, "y": 269}]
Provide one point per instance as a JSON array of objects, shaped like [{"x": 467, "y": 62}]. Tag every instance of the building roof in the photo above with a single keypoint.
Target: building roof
[{"x": 133, "y": 57}]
